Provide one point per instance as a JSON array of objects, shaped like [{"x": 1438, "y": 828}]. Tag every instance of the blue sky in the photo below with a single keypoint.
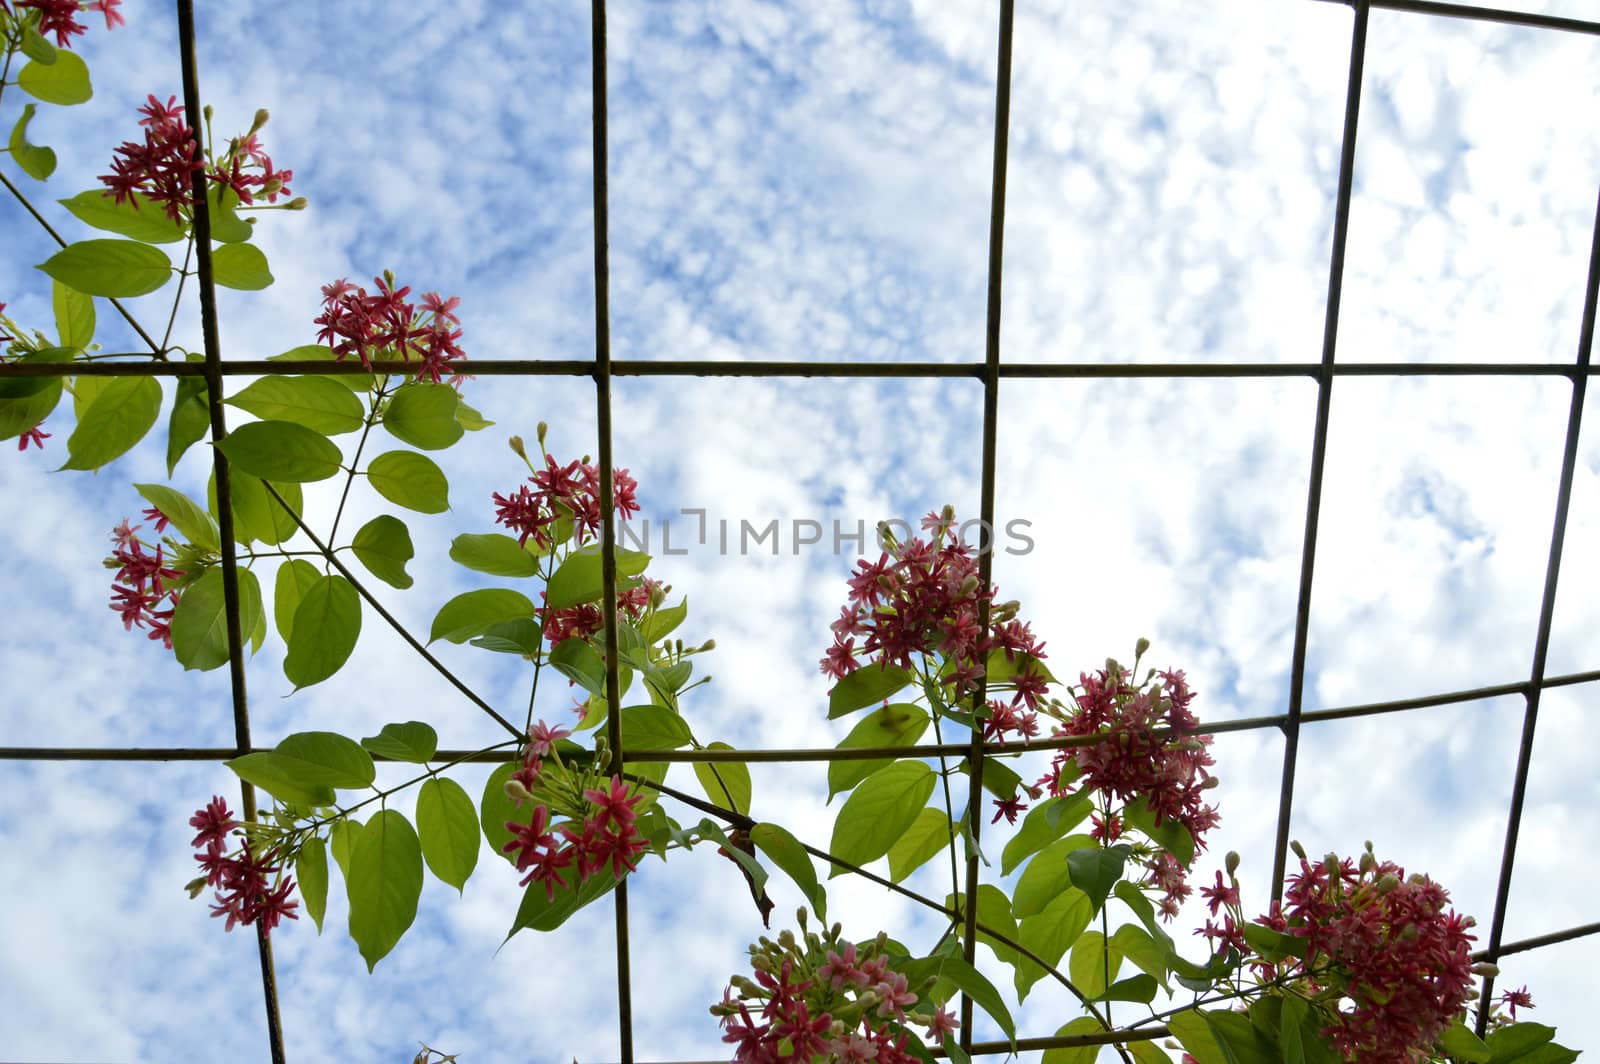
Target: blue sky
[{"x": 811, "y": 182}]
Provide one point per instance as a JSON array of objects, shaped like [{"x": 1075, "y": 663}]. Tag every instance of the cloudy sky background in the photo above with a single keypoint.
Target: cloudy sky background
[{"x": 812, "y": 183}]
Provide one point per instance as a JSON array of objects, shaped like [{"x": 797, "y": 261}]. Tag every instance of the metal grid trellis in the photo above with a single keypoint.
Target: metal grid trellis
[{"x": 991, "y": 371}]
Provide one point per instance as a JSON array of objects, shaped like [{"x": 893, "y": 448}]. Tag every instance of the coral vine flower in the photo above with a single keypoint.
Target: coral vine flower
[
  {"x": 387, "y": 324},
  {"x": 246, "y": 891},
  {"x": 614, "y": 804}
]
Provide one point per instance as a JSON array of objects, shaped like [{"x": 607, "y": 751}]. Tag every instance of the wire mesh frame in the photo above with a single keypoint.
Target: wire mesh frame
[{"x": 602, "y": 369}]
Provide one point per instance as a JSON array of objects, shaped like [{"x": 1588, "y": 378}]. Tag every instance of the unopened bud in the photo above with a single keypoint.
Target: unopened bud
[
  {"x": 800, "y": 917},
  {"x": 886, "y": 535},
  {"x": 1140, "y": 647},
  {"x": 261, "y": 119},
  {"x": 1387, "y": 882},
  {"x": 516, "y": 791},
  {"x": 272, "y": 186},
  {"x": 1485, "y": 968},
  {"x": 207, "y": 111},
  {"x": 541, "y": 429},
  {"x": 1299, "y": 850},
  {"x": 586, "y": 460},
  {"x": 195, "y": 886},
  {"x": 517, "y": 448},
  {"x": 1368, "y": 861},
  {"x": 786, "y": 939},
  {"x": 709, "y": 644},
  {"x": 299, "y": 203},
  {"x": 1210, "y": 782},
  {"x": 1231, "y": 862}
]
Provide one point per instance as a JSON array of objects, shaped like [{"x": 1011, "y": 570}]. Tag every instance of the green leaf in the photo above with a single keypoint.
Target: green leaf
[
  {"x": 726, "y": 783},
  {"x": 448, "y": 827},
  {"x": 326, "y": 625},
  {"x": 200, "y": 622},
  {"x": 282, "y": 451},
  {"x": 785, "y": 851},
  {"x": 994, "y": 910},
  {"x": 36, "y": 161},
  {"x": 137, "y": 216},
  {"x": 864, "y": 687},
  {"x": 186, "y": 515},
  {"x": 1511, "y": 1043},
  {"x": 1241, "y": 1041},
  {"x": 1050, "y": 933},
  {"x": 969, "y": 981},
  {"x": 901, "y": 724},
  {"x": 542, "y": 912},
  {"x": 662, "y": 621},
  {"x": 495, "y": 810},
  {"x": 413, "y": 742},
  {"x": 321, "y": 757},
  {"x": 356, "y": 382},
  {"x": 74, "y": 314},
  {"x": 64, "y": 82},
  {"x": 241, "y": 266},
  {"x": 36, "y": 47},
  {"x": 311, "y": 873},
  {"x": 521, "y": 637},
  {"x": 1300, "y": 1035},
  {"x": 384, "y": 884},
  {"x": 491, "y": 553},
  {"x": 927, "y": 835},
  {"x": 879, "y": 811},
  {"x": 424, "y": 415},
  {"x": 342, "y": 841},
  {"x": 256, "y": 514},
  {"x": 1140, "y": 988},
  {"x": 1075, "y": 1054},
  {"x": 276, "y": 776},
  {"x": 475, "y": 612},
  {"x": 120, "y": 268},
  {"x": 1170, "y": 835},
  {"x": 411, "y": 480},
  {"x": 470, "y": 419},
  {"x": 319, "y": 403},
  {"x": 1095, "y": 871},
  {"x": 227, "y": 226},
  {"x": 26, "y": 401},
  {"x": 1093, "y": 963},
  {"x": 1135, "y": 943},
  {"x": 383, "y": 545},
  {"x": 120, "y": 415},
  {"x": 1190, "y": 1029},
  {"x": 1046, "y": 876},
  {"x": 646, "y": 728},
  {"x": 190, "y": 420},
  {"x": 1458, "y": 1040},
  {"x": 1040, "y": 828},
  {"x": 295, "y": 577},
  {"x": 578, "y": 579},
  {"x": 1273, "y": 945}
]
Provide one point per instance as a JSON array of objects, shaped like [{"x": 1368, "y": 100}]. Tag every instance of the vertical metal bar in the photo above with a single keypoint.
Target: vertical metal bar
[
  {"x": 1319, "y": 442},
  {"x": 991, "y": 407},
  {"x": 219, "y": 429},
  {"x": 608, "y": 524},
  {"x": 1547, "y": 606}
]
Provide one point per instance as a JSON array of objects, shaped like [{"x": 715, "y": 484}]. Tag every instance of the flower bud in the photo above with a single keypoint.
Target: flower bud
[
  {"x": 1368, "y": 861},
  {"x": 1299, "y": 850},
  {"x": 1140, "y": 647},
  {"x": 709, "y": 644},
  {"x": 517, "y": 449},
  {"x": 272, "y": 186},
  {"x": 1232, "y": 862},
  {"x": 516, "y": 791},
  {"x": 297, "y": 204},
  {"x": 207, "y": 111},
  {"x": 1387, "y": 882},
  {"x": 195, "y": 886},
  {"x": 540, "y": 429},
  {"x": 786, "y": 939},
  {"x": 261, "y": 119},
  {"x": 800, "y": 917},
  {"x": 1485, "y": 968}
]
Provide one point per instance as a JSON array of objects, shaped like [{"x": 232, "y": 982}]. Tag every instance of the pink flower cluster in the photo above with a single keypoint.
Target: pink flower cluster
[
  {"x": 60, "y": 17},
  {"x": 250, "y": 886},
  {"x": 608, "y": 838},
  {"x": 1131, "y": 762},
  {"x": 1388, "y": 942},
  {"x": 922, "y": 598},
  {"x": 384, "y": 323},
  {"x": 851, "y": 1010},
  {"x": 142, "y": 584},
  {"x": 585, "y": 621},
  {"x": 563, "y": 492}
]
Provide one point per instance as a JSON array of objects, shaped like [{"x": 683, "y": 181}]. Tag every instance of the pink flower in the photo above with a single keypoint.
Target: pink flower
[
  {"x": 841, "y": 969},
  {"x": 1515, "y": 999},
  {"x": 543, "y": 738},
  {"x": 893, "y": 996},
  {"x": 108, "y": 8},
  {"x": 1221, "y": 895},
  {"x": 161, "y": 167},
  {"x": 33, "y": 436},
  {"x": 1008, "y": 808},
  {"x": 214, "y": 821},
  {"x": 614, "y": 804},
  {"x": 942, "y": 1023},
  {"x": 59, "y": 17}
]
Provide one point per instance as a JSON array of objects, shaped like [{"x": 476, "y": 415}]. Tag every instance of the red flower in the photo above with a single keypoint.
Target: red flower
[
  {"x": 33, "y": 436},
  {"x": 614, "y": 804},
  {"x": 1515, "y": 999},
  {"x": 108, "y": 8},
  {"x": 59, "y": 17},
  {"x": 1008, "y": 808}
]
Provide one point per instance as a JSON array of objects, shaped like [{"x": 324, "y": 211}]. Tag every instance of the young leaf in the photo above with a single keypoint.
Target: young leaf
[
  {"x": 726, "y": 783},
  {"x": 326, "y": 625},
  {"x": 35, "y": 47},
  {"x": 1046, "y": 876},
  {"x": 36, "y": 161},
  {"x": 241, "y": 266},
  {"x": 413, "y": 741},
  {"x": 1170, "y": 835},
  {"x": 927, "y": 835},
  {"x": 282, "y": 450},
  {"x": 448, "y": 828},
  {"x": 578, "y": 579},
  {"x": 1095, "y": 871},
  {"x": 200, "y": 621},
  {"x": 74, "y": 314},
  {"x": 424, "y": 415},
  {"x": 1076, "y": 1054},
  {"x": 295, "y": 577},
  {"x": 64, "y": 82},
  {"x": 119, "y": 416},
  {"x": 186, "y": 515},
  {"x": 319, "y": 403},
  {"x": 120, "y": 268},
  {"x": 384, "y": 883},
  {"x": 662, "y": 621},
  {"x": 383, "y": 545},
  {"x": 491, "y": 553},
  {"x": 411, "y": 480},
  {"x": 342, "y": 842},
  {"x": 256, "y": 514},
  {"x": 226, "y": 225},
  {"x": 543, "y": 912},
  {"x": 475, "y": 612},
  {"x": 311, "y": 873},
  {"x": 864, "y": 687},
  {"x": 137, "y": 217},
  {"x": 1135, "y": 943},
  {"x": 190, "y": 420},
  {"x": 879, "y": 811},
  {"x": 901, "y": 724},
  {"x": 1094, "y": 963},
  {"x": 470, "y": 419},
  {"x": 1040, "y": 828},
  {"x": 646, "y": 728},
  {"x": 1050, "y": 933},
  {"x": 785, "y": 851}
]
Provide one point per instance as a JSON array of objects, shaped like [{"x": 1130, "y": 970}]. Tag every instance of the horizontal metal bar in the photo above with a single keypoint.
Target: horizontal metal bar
[
  {"x": 1482, "y": 14},
  {"x": 534, "y": 367}
]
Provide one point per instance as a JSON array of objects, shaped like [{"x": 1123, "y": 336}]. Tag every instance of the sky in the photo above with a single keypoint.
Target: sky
[{"x": 810, "y": 182}]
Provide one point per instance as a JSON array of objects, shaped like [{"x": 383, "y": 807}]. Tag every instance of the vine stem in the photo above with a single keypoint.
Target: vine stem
[
  {"x": 428, "y": 774},
  {"x": 350, "y": 478},
  {"x": 177, "y": 298}
]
